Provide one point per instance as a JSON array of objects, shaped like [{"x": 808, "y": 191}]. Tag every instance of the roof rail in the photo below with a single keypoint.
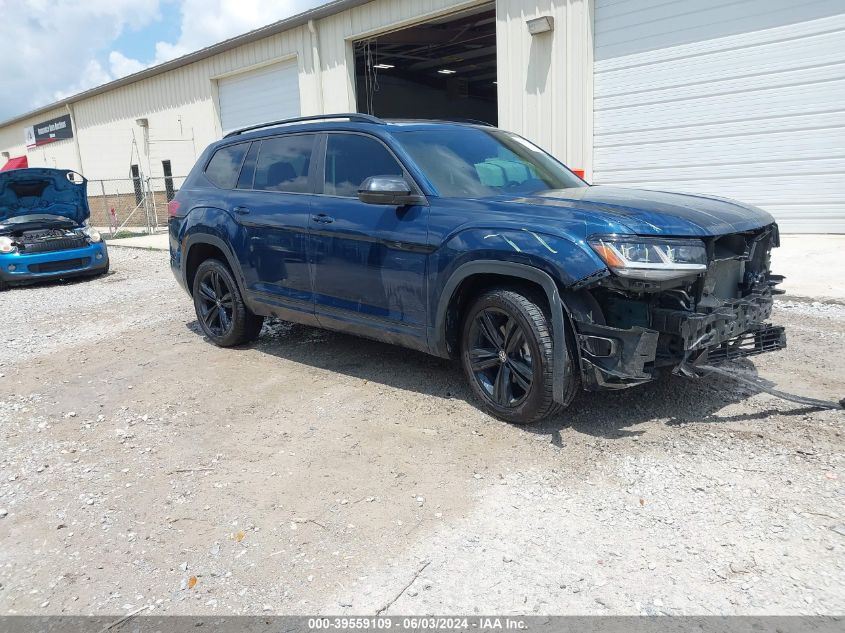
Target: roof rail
[
  {"x": 352, "y": 116},
  {"x": 472, "y": 121}
]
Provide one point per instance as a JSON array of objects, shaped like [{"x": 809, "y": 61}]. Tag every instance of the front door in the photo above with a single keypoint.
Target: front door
[{"x": 368, "y": 260}]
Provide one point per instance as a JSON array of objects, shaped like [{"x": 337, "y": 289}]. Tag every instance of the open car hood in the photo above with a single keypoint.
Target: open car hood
[{"x": 43, "y": 191}]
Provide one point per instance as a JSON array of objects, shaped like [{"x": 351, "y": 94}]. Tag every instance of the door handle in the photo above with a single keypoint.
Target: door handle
[
  {"x": 241, "y": 210},
  {"x": 322, "y": 218}
]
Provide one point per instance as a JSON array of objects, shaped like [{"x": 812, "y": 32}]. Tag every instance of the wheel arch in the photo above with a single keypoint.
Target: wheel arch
[
  {"x": 201, "y": 246},
  {"x": 496, "y": 273}
]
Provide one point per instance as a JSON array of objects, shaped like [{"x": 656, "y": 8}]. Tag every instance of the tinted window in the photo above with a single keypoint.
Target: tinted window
[
  {"x": 248, "y": 169},
  {"x": 351, "y": 158},
  {"x": 474, "y": 162},
  {"x": 225, "y": 165},
  {"x": 283, "y": 163}
]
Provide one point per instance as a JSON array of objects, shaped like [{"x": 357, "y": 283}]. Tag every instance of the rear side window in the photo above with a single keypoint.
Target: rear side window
[
  {"x": 283, "y": 163},
  {"x": 225, "y": 165},
  {"x": 351, "y": 159}
]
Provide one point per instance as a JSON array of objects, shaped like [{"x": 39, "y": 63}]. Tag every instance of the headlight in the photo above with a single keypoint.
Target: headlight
[
  {"x": 651, "y": 258},
  {"x": 92, "y": 234},
  {"x": 7, "y": 245}
]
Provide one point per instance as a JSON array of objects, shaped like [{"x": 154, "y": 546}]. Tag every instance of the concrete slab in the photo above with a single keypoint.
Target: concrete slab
[
  {"x": 814, "y": 265},
  {"x": 155, "y": 242}
]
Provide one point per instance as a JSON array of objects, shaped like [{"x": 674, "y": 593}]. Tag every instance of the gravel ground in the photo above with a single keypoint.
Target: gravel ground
[{"x": 317, "y": 472}]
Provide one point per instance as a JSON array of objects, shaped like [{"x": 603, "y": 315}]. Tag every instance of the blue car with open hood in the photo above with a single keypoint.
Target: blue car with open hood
[
  {"x": 469, "y": 242},
  {"x": 44, "y": 231}
]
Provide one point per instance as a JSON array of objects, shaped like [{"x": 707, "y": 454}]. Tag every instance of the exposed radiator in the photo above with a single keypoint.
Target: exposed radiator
[{"x": 57, "y": 244}]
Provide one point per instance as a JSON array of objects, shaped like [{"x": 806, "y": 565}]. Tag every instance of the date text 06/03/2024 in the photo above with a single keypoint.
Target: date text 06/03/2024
[{"x": 433, "y": 623}]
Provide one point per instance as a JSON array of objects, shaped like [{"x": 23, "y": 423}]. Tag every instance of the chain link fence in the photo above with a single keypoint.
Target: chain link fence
[{"x": 132, "y": 204}]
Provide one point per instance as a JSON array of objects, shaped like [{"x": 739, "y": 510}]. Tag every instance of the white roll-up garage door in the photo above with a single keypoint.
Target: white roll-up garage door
[
  {"x": 743, "y": 99},
  {"x": 256, "y": 96}
]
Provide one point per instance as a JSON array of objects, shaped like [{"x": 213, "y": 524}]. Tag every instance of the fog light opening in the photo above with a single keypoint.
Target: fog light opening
[{"x": 600, "y": 347}]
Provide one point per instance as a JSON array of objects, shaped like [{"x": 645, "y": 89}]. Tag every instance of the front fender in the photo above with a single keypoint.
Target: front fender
[
  {"x": 567, "y": 260},
  {"x": 553, "y": 262},
  {"x": 521, "y": 271}
]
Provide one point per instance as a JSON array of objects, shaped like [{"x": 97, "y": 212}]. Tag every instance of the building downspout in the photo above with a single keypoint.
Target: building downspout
[
  {"x": 75, "y": 129},
  {"x": 318, "y": 68}
]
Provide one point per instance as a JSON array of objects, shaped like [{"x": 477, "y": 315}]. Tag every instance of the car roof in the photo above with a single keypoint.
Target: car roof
[{"x": 377, "y": 127}]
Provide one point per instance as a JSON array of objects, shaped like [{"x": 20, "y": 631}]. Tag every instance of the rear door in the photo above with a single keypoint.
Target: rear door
[
  {"x": 369, "y": 260},
  {"x": 272, "y": 202}
]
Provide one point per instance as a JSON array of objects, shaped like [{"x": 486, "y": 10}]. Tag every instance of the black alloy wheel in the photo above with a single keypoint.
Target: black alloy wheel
[
  {"x": 500, "y": 357},
  {"x": 507, "y": 354},
  {"x": 215, "y": 303},
  {"x": 221, "y": 311}
]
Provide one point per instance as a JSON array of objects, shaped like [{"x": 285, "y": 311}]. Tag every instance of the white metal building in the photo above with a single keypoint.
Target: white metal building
[{"x": 738, "y": 98}]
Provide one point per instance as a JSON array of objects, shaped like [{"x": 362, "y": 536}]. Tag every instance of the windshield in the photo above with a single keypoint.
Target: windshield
[{"x": 473, "y": 162}]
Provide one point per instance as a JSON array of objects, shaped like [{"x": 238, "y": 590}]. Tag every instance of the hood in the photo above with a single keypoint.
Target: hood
[
  {"x": 657, "y": 212},
  {"x": 42, "y": 191}
]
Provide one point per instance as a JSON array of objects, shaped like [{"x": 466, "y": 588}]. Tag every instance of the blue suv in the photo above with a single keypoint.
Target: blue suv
[{"x": 465, "y": 241}]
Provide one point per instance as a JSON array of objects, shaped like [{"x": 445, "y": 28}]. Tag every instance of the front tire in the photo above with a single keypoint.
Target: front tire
[
  {"x": 507, "y": 356},
  {"x": 221, "y": 311}
]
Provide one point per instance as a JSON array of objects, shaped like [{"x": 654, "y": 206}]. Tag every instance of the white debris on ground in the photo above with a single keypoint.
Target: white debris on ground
[{"x": 316, "y": 472}]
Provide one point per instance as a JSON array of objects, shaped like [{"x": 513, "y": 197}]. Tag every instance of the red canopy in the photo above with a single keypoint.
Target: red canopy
[{"x": 18, "y": 162}]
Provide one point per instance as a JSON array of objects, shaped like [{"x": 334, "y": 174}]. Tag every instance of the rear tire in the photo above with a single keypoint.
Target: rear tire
[
  {"x": 221, "y": 311},
  {"x": 507, "y": 356}
]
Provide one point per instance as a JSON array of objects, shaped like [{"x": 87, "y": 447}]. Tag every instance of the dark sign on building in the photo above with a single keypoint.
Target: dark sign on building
[{"x": 57, "y": 129}]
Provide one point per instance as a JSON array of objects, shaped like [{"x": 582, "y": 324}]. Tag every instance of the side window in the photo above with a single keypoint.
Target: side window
[
  {"x": 352, "y": 158},
  {"x": 225, "y": 165},
  {"x": 283, "y": 163},
  {"x": 248, "y": 169}
]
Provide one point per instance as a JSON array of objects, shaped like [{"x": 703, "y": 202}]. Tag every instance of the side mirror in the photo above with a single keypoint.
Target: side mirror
[{"x": 392, "y": 190}]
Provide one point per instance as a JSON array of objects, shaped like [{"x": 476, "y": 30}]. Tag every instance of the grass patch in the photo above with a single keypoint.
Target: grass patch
[{"x": 124, "y": 234}]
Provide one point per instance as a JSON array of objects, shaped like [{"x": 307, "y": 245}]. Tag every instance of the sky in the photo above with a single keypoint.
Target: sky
[{"x": 52, "y": 49}]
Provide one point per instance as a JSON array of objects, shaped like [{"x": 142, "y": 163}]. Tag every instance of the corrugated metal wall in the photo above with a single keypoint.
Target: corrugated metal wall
[
  {"x": 545, "y": 87},
  {"x": 546, "y": 80},
  {"x": 742, "y": 99},
  {"x": 180, "y": 106}
]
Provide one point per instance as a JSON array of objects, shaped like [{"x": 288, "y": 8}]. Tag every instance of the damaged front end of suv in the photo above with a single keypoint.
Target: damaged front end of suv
[{"x": 674, "y": 303}]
